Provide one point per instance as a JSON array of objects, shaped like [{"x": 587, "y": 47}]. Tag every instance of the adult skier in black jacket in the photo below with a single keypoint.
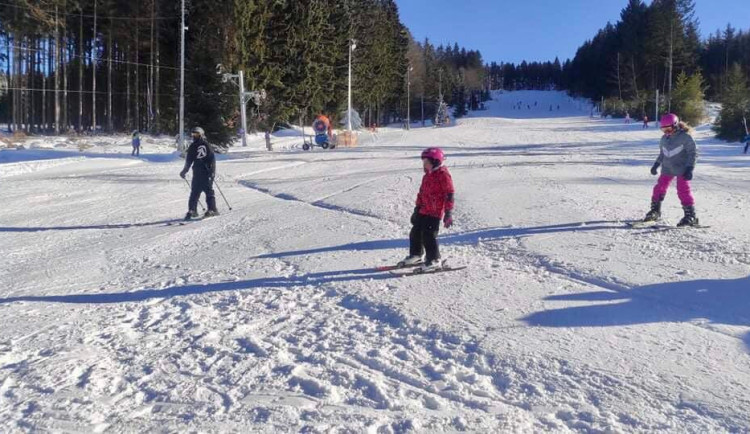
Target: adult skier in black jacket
[{"x": 202, "y": 158}]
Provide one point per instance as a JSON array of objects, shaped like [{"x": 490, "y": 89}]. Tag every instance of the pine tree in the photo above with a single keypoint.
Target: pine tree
[
  {"x": 735, "y": 105},
  {"x": 687, "y": 98}
]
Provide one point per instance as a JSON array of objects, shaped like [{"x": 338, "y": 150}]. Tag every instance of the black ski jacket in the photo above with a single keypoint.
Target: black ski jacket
[{"x": 202, "y": 158}]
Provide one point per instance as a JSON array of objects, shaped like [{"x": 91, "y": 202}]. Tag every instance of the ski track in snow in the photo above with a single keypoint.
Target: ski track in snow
[{"x": 272, "y": 317}]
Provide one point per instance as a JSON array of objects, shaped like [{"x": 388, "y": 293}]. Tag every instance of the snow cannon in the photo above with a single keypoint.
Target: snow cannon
[{"x": 320, "y": 127}]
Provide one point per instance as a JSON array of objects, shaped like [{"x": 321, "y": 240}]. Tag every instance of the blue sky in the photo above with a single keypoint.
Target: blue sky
[{"x": 518, "y": 30}]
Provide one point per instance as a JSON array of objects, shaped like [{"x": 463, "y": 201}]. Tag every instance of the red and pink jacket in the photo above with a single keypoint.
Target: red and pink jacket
[{"x": 436, "y": 193}]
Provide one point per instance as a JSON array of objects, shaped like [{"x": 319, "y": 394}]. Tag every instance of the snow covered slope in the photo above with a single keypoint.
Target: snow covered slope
[{"x": 272, "y": 317}]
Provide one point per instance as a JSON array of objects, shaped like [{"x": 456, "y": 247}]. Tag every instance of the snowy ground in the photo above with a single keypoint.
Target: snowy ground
[{"x": 271, "y": 317}]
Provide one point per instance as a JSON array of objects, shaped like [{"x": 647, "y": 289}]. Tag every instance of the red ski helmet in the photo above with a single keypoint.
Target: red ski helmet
[
  {"x": 669, "y": 120},
  {"x": 434, "y": 154}
]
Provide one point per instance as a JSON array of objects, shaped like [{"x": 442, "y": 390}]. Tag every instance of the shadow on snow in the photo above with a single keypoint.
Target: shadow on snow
[
  {"x": 470, "y": 237},
  {"x": 178, "y": 291},
  {"x": 720, "y": 301},
  {"x": 87, "y": 227}
]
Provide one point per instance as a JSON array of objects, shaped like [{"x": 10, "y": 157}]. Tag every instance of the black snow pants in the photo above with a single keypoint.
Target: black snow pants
[
  {"x": 423, "y": 237},
  {"x": 201, "y": 184}
]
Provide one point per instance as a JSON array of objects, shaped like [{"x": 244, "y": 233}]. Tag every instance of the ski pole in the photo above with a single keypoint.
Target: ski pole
[
  {"x": 222, "y": 194},
  {"x": 199, "y": 201}
]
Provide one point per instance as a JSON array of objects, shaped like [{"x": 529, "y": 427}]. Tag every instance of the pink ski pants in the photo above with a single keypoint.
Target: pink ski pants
[{"x": 683, "y": 190}]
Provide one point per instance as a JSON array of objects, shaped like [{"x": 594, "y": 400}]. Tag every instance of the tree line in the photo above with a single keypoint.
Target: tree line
[
  {"x": 657, "y": 48},
  {"x": 527, "y": 75},
  {"x": 113, "y": 66},
  {"x": 88, "y": 65},
  {"x": 444, "y": 73}
]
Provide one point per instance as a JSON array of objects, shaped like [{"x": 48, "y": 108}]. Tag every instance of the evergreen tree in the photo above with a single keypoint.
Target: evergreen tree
[
  {"x": 687, "y": 98},
  {"x": 735, "y": 106}
]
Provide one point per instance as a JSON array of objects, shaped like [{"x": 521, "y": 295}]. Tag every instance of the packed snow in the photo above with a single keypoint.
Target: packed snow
[{"x": 273, "y": 318}]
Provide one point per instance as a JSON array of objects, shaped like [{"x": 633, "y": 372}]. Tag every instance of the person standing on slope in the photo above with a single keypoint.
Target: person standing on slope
[
  {"x": 677, "y": 158},
  {"x": 136, "y": 142},
  {"x": 201, "y": 157},
  {"x": 434, "y": 202}
]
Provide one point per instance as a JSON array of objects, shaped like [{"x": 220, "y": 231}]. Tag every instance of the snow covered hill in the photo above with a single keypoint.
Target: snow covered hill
[{"x": 272, "y": 317}]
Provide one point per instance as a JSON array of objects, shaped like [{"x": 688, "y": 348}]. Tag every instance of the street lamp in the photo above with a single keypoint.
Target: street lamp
[
  {"x": 181, "y": 137},
  {"x": 408, "y": 97},
  {"x": 352, "y": 47}
]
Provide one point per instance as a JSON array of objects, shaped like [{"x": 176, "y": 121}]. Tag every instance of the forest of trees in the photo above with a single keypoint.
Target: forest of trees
[
  {"x": 658, "y": 47},
  {"x": 652, "y": 47},
  {"x": 451, "y": 72},
  {"x": 532, "y": 76},
  {"x": 113, "y": 66}
]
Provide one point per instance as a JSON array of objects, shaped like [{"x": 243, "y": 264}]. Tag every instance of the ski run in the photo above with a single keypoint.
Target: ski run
[{"x": 273, "y": 317}]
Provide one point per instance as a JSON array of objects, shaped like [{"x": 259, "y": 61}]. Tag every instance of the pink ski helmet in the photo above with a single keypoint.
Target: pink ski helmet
[
  {"x": 669, "y": 120},
  {"x": 434, "y": 154}
]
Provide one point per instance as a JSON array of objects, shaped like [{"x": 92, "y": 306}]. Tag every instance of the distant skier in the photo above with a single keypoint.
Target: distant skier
[
  {"x": 136, "y": 142},
  {"x": 201, "y": 157},
  {"x": 747, "y": 143},
  {"x": 434, "y": 201},
  {"x": 677, "y": 158},
  {"x": 645, "y": 122},
  {"x": 627, "y": 118}
]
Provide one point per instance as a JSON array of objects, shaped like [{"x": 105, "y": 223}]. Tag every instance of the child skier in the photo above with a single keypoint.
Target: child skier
[
  {"x": 434, "y": 201},
  {"x": 677, "y": 158}
]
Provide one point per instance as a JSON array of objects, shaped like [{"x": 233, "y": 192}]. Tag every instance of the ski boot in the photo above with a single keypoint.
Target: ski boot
[
  {"x": 690, "y": 219},
  {"x": 191, "y": 215},
  {"x": 211, "y": 213},
  {"x": 654, "y": 213},
  {"x": 431, "y": 266},
  {"x": 410, "y": 260}
]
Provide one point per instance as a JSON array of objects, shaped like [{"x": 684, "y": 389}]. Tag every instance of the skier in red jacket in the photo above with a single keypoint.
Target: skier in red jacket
[{"x": 434, "y": 202}]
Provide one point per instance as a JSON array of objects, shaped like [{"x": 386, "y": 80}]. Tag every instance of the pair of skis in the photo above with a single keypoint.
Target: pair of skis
[
  {"x": 183, "y": 222},
  {"x": 416, "y": 270},
  {"x": 659, "y": 224}
]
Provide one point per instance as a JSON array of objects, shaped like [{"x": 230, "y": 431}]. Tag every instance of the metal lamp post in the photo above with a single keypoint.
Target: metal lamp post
[
  {"x": 352, "y": 46},
  {"x": 181, "y": 139},
  {"x": 408, "y": 97}
]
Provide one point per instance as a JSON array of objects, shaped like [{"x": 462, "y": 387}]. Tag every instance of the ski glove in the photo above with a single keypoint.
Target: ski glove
[
  {"x": 448, "y": 219},
  {"x": 183, "y": 173},
  {"x": 655, "y": 168},
  {"x": 415, "y": 216},
  {"x": 688, "y": 175}
]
